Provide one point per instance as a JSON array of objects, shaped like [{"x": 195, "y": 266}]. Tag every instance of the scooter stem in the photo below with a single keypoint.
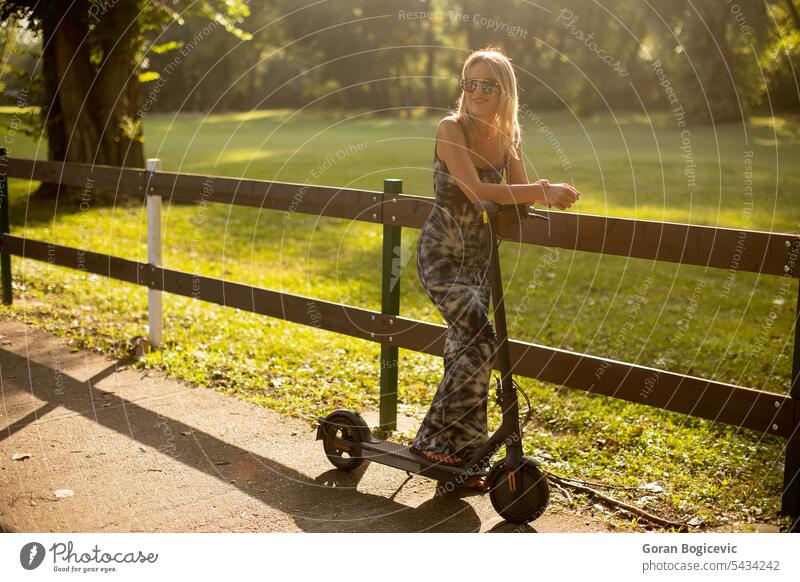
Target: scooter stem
[
  {"x": 489, "y": 211},
  {"x": 508, "y": 397}
]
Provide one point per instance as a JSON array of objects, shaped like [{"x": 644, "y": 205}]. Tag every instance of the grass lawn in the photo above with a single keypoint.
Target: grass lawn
[{"x": 679, "y": 318}]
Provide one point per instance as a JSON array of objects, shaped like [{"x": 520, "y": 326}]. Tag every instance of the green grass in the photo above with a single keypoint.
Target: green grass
[{"x": 627, "y": 309}]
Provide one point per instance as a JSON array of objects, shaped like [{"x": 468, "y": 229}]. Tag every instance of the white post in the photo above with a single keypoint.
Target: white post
[{"x": 155, "y": 314}]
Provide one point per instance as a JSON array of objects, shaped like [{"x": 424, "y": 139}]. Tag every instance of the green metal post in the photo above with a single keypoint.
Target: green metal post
[
  {"x": 790, "y": 502},
  {"x": 390, "y": 305},
  {"x": 5, "y": 258}
]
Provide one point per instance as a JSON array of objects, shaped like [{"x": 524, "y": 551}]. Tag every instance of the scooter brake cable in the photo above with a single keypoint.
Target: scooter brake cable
[{"x": 529, "y": 411}]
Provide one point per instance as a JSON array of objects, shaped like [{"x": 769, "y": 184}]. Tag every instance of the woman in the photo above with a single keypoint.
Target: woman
[{"x": 473, "y": 145}]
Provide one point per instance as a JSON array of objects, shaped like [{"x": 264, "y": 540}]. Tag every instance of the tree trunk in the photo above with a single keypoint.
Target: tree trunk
[
  {"x": 62, "y": 144},
  {"x": 429, "y": 70},
  {"x": 403, "y": 94},
  {"x": 116, "y": 90},
  {"x": 90, "y": 115},
  {"x": 73, "y": 67},
  {"x": 52, "y": 121}
]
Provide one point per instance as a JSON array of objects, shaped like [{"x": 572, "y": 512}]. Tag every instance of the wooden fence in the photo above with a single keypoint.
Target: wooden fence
[{"x": 767, "y": 253}]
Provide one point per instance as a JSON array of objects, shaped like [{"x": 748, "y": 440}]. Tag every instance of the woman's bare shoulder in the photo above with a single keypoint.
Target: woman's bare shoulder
[
  {"x": 449, "y": 132},
  {"x": 449, "y": 123}
]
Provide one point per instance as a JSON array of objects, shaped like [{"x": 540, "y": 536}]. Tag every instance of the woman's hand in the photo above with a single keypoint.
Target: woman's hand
[{"x": 562, "y": 196}]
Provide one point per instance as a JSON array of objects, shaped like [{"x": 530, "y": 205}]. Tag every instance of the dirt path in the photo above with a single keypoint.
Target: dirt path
[{"x": 144, "y": 452}]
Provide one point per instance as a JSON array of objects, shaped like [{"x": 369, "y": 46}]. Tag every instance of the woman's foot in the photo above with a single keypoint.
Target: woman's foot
[{"x": 439, "y": 457}]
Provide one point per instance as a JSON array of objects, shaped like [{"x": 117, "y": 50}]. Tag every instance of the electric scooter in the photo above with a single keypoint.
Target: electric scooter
[{"x": 517, "y": 487}]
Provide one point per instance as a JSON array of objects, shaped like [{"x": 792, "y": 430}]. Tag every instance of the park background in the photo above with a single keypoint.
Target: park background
[{"x": 673, "y": 111}]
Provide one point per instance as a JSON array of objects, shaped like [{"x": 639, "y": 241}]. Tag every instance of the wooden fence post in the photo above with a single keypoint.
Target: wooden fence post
[
  {"x": 390, "y": 305},
  {"x": 5, "y": 258},
  {"x": 155, "y": 312}
]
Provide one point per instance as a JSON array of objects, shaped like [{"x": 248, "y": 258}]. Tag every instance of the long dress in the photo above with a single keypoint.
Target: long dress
[{"x": 452, "y": 263}]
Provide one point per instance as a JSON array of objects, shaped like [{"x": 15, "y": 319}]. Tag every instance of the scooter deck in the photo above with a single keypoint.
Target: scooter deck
[{"x": 402, "y": 457}]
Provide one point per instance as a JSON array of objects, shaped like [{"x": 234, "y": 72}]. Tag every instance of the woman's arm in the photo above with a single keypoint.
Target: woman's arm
[
  {"x": 559, "y": 195},
  {"x": 452, "y": 148},
  {"x": 518, "y": 175}
]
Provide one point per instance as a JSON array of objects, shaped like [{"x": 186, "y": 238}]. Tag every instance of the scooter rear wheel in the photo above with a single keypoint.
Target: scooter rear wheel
[
  {"x": 534, "y": 493},
  {"x": 339, "y": 454}
]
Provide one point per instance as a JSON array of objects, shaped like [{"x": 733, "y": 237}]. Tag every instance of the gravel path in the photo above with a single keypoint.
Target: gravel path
[{"x": 131, "y": 450}]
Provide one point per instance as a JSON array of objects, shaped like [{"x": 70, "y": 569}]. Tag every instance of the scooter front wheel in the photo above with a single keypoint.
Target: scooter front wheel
[
  {"x": 521, "y": 497},
  {"x": 340, "y": 442}
]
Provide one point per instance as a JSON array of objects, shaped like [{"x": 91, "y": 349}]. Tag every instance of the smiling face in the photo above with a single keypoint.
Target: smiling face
[{"x": 479, "y": 103}]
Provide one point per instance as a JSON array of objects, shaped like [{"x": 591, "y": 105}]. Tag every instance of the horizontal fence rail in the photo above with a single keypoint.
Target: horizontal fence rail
[
  {"x": 762, "y": 411},
  {"x": 123, "y": 180},
  {"x": 353, "y": 321},
  {"x": 754, "y": 251},
  {"x": 707, "y": 246}
]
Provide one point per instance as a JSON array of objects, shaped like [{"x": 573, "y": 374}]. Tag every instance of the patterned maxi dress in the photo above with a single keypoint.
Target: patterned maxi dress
[{"x": 452, "y": 262}]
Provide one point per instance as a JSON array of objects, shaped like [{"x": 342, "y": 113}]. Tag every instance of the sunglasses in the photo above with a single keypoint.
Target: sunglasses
[{"x": 485, "y": 85}]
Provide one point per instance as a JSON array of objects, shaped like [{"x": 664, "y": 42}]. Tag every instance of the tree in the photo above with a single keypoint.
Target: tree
[
  {"x": 711, "y": 50},
  {"x": 92, "y": 58}
]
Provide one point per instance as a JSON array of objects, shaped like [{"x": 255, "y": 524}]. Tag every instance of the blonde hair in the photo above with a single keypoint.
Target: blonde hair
[{"x": 508, "y": 110}]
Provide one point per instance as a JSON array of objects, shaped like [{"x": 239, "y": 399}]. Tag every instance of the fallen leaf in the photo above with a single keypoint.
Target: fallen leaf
[
  {"x": 62, "y": 493},
  {"x": 20, "y": 456}
]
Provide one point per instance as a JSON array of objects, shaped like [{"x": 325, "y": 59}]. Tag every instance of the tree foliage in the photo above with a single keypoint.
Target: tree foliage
[{"x": 106, "y": 64}]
